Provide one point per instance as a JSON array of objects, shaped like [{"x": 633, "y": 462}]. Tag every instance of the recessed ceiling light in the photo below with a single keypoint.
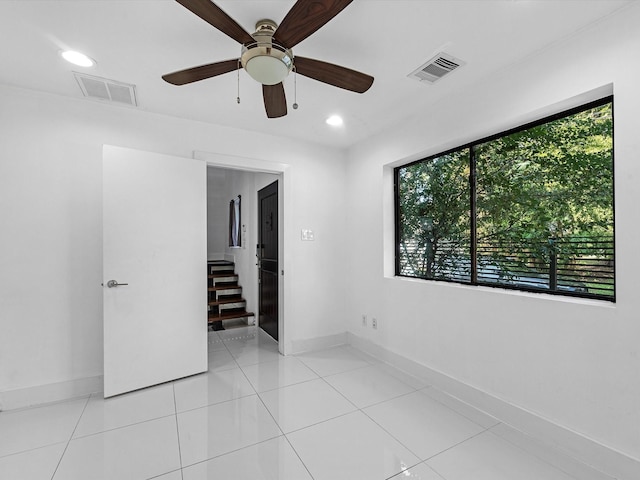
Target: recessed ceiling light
[
  {"x": 334, "y": 121},
  {"x": 77, "y": 58}
]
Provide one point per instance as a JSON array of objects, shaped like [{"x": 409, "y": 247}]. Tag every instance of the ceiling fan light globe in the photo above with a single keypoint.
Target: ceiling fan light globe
[
  {"x": 266, "y": 61},
  {"x": 267, "y": 70}
]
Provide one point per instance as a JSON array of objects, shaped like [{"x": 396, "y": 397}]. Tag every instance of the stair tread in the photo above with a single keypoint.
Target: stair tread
[
  {"x": 223, "y": 287},
  {"x": 230, "y": 316},
  {"x": 223, "y": 275},
  {"x": 227, "y": 300}
]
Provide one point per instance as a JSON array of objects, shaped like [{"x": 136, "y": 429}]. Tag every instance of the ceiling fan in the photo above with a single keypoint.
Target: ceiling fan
[{"x": 266, "y": 54}]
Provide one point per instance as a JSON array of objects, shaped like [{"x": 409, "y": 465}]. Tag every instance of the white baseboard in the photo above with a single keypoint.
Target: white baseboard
[
  {"x": 53, "y": 392},
  {"x": 575, "y": 445},
  {"x": 307, "y": 345}
]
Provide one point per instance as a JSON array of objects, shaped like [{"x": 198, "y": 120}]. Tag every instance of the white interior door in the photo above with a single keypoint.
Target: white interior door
[{"x": 155, "y": 246}]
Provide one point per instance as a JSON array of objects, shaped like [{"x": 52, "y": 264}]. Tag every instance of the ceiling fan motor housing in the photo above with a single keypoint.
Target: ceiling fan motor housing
[{"x": 265, "y": 60}]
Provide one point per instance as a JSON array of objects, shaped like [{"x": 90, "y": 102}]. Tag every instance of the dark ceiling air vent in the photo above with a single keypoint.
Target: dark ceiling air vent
[
  {"x": 107, "y": 90},
  {"x": 436, "y": 68}
]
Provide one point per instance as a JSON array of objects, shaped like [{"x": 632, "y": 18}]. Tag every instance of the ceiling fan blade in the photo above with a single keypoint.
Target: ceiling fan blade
[
  {"x": 195, "y": 74},
  {"x": 275, "y": 103},
  {"x": 306, "y": 17},
  {"x": 335, "y": 75},
  {"x": 215, "y": 16}
]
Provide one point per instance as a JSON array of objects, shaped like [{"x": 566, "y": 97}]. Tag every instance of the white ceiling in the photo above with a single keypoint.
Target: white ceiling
[{"x": 137, "y": 41}]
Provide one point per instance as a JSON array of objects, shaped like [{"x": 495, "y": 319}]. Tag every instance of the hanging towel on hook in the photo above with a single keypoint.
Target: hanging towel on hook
[{"x": 235, "y": 239}]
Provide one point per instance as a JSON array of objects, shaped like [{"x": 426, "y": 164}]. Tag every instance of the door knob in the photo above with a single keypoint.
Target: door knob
[{"x": 114, "y": 283}]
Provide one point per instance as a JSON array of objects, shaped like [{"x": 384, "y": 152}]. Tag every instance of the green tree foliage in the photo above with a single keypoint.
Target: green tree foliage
[
  {"x": 434, "y": 216},
  {"x": 553, "y": 180}
]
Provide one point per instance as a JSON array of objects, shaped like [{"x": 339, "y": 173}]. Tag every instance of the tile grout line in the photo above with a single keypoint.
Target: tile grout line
[
  {"x": 175, "y": 410},
  {"x": 491, "y": 429},
  {"x": 401, "y": 472},
  {"x": 255, "y": 392},
  {"x": 32, "y": 449},
  {"x": 234, "y": 399},
  {"x": 301, "y": 383},
  {"x": 212, "y": 404},
  {"x": 357, "y": 409},
  {"x": 163, "y": 474},
  {"x": 393, "y": 436},
  {"x": 456, "y": 445},
  {"x": 339, "y": 393},
  {"x": 227, "y": 453},
  {"x": 231, "y": 353},
  {"x": 298, "y": 455},
  {"x": 51, "y": 403},
  {"x": 434, "y": 469},
  {"x": 414, "y": 390},
  {"x": 309, "y": 367},
  {"x": 453, "y": 409},
  {"x": 122, "y": 426},
  {"x": 71, "y": 436},
  {"x": 278, "y": 425},
  {"x": 283, "y": 434},
  {"x": 540, "y": 457},
  {"x": 321, "y": 422},
  {"x": 389, "y": 399},
  {"x": 286, "y": 386},
  {"x": 485, "y": 429},
  {"x": 330, "y": 374}
]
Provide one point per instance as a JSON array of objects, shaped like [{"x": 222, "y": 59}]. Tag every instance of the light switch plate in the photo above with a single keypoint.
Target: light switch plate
[{"x": 306, "y": 235}]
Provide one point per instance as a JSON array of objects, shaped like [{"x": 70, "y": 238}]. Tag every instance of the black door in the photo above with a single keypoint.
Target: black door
[{"x": 267, "y": 251}]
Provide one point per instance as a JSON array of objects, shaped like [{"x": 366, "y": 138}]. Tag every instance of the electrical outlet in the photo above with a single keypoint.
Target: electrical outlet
[
  {"x": 364, "y": 320},
  {"x": 374, "y": 323}
]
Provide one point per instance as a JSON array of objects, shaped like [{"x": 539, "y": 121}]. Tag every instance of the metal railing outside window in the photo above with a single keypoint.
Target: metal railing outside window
[{"x": 579, "y": 266}]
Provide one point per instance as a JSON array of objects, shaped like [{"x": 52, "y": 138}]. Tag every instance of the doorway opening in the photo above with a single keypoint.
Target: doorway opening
[{"x": 234, "y": 268}]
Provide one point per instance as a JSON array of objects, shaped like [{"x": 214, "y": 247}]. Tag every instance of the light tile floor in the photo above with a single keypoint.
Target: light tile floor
[{"x": 328, "y": 415}]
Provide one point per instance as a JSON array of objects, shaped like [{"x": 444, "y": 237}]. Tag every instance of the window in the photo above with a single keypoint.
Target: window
[{"x": 529, "y": 209}]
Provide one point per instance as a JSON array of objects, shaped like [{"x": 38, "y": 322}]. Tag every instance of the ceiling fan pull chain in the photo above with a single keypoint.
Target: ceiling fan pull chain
[
  {"x": 238, "y": 97},
  {"x": 295, "y": 88}
]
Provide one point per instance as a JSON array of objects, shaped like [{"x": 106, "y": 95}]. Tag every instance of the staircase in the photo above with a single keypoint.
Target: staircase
[{"x": 224, "y": 294}]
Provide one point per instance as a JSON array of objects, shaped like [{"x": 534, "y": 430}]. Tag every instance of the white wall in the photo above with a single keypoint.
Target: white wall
[
  {"x": 218, "y": 198},
  {"x": 51, "y": 218},
  {"x": 576, "y": 363}
]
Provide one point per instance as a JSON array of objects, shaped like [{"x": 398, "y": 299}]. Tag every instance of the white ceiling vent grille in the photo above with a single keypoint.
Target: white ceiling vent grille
[
  {"x": 436, "y": 68},
  {"x": 107, "y": 90}
]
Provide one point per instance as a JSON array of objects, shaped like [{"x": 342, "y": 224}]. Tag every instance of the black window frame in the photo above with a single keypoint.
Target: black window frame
[{"x": 473, "y": 207}]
